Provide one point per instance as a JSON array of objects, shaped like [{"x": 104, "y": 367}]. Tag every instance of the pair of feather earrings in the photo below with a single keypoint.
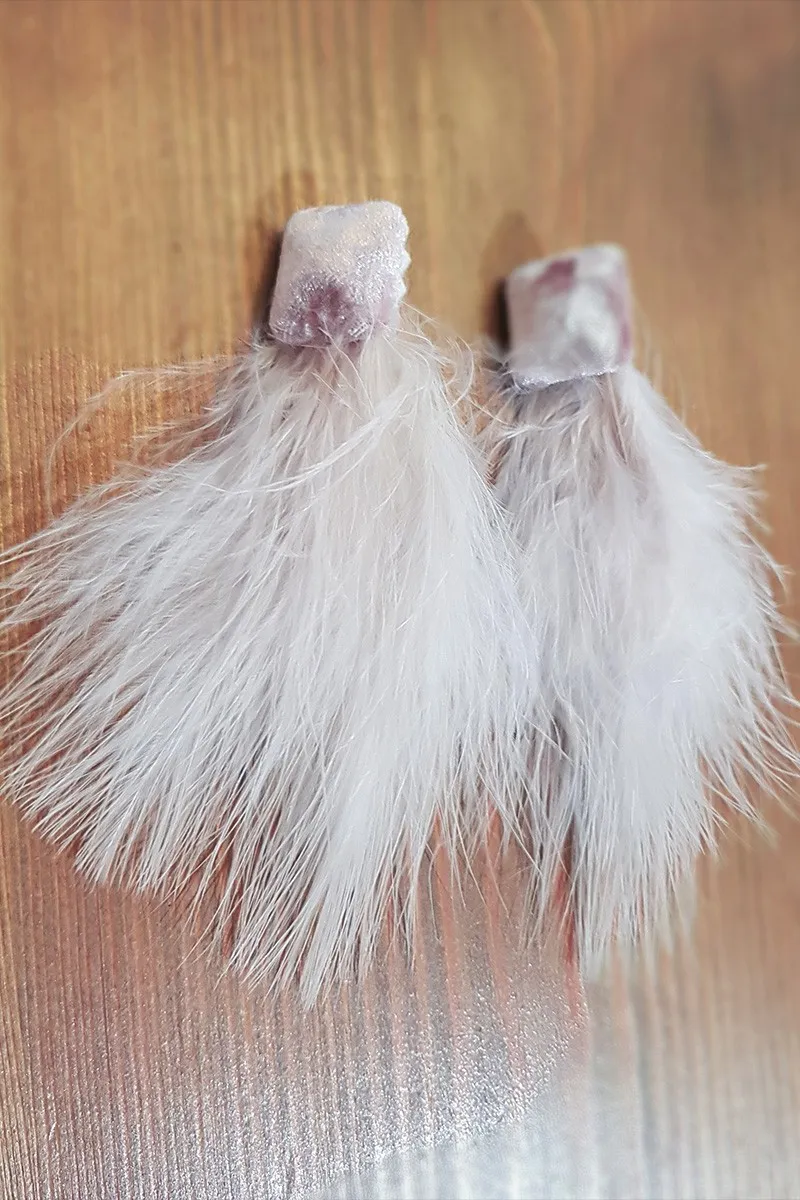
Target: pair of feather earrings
[{"x": 290, "y": 652}]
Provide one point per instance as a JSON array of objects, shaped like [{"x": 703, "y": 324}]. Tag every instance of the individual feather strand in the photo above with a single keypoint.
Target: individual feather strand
[
  {"x": 291, "y": 654},
  {"x": 651, "y": 603}
]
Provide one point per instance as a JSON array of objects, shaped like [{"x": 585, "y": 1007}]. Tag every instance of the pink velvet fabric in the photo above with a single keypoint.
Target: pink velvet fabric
[
  {"x": 569, "y": 316},
  {"x": 341, "y": 274}
]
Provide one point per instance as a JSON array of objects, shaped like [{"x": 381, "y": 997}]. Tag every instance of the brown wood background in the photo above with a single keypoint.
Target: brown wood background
[{"x": 149, "y": 151}]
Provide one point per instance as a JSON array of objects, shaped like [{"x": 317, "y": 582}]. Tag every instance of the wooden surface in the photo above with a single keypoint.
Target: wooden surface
[{"x": 149, "y": 152}]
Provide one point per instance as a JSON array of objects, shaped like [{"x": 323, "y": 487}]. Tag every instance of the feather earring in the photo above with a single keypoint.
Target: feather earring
[
  {"x": 296, "y": 650},
  {"x": 650, "y": 600}
]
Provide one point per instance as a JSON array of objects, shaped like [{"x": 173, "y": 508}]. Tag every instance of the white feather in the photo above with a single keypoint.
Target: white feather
[
  {"x": 650, "y": 601},
  {"x": 297, "y": 650}
]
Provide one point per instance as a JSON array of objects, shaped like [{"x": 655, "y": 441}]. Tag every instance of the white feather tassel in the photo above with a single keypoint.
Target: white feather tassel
[
  {"x": 298, "y": 648},
  {"x": 650, "y": 600}
]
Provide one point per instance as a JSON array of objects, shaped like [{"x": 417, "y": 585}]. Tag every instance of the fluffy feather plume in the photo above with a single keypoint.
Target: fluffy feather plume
[
  {"x": 651, "y": 604},
  {"x": 288, "y": 655}
]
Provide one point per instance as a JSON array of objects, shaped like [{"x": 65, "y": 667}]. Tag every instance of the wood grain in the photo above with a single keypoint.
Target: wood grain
[{"x": 150, "y": 150}]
